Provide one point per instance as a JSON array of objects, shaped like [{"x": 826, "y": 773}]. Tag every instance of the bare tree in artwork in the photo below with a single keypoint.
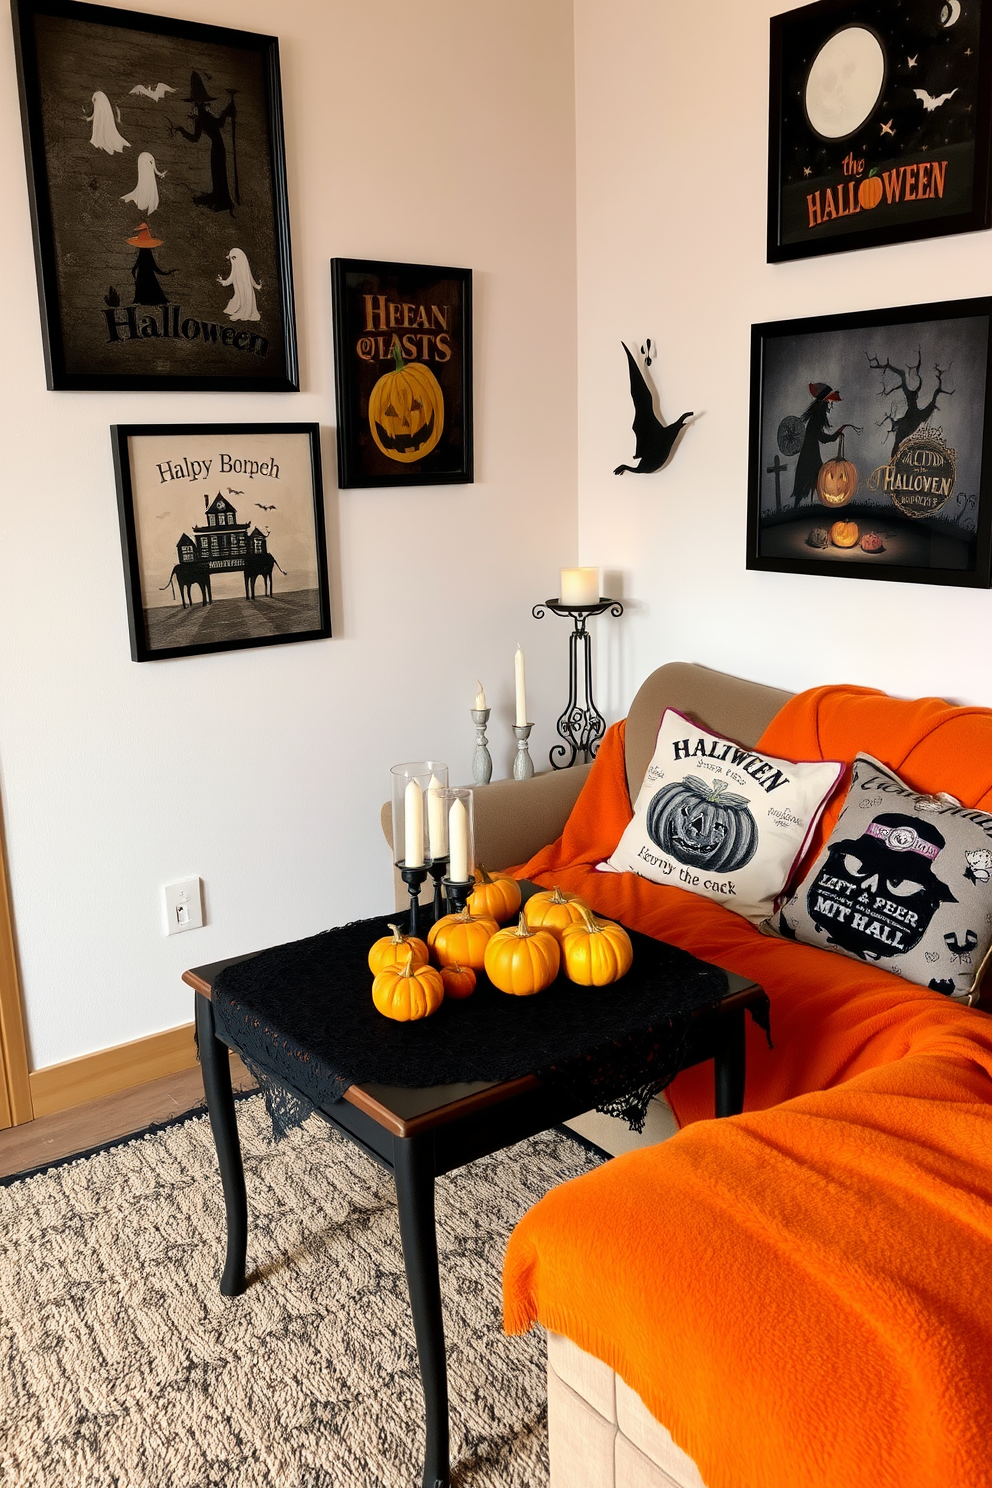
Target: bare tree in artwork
[{"x": 909, "y": 382}]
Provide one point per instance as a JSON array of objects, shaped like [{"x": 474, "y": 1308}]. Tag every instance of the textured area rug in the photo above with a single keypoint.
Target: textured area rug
[{"x": 121, "y": 1366}]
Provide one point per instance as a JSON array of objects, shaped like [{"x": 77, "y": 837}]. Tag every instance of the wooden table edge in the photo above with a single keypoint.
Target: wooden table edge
[{"x": 496, "y": 1093}]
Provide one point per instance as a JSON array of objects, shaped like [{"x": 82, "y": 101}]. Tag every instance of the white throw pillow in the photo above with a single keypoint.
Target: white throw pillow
[{"x": 720, "y": 820}]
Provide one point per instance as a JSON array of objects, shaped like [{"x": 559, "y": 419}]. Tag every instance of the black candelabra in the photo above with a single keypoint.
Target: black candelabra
[{"x": 581, "y": 725}]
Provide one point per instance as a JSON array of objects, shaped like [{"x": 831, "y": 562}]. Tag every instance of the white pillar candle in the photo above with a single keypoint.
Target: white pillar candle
[
  {"x": 480, "y": 699},
  {"x": 518, "y": 674},
  {"x": 435, "y": 819},
  {"x": 413, "y": 825},
  {"x": 458, "y": 842},
  {"x": 579, "y": 586}
]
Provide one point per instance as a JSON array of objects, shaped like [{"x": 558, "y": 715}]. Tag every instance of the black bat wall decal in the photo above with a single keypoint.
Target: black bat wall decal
[{"x": 654, "y": 439}]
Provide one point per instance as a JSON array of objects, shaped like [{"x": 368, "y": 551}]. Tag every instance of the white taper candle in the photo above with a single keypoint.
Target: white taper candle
[
  {"x": 521, "y": 686},
  {"x": 458, "y": 842},
  {"x": 413, "y": 824}
]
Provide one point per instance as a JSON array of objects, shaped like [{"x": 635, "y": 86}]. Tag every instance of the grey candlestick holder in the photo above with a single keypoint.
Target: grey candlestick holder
[
  {"x": 482, "y": 760},
  {"x": 523, "y": 765}
]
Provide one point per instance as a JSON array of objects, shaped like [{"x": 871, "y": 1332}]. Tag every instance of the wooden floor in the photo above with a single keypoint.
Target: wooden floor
[{"x": 101, "y": 1121}]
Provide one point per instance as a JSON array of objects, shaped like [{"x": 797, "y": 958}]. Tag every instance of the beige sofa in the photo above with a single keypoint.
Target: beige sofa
[{"x": 601, "y": 1435}]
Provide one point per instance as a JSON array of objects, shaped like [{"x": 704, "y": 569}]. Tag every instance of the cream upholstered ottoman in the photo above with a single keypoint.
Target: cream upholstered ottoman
[{"x": 600, "y": 1433}]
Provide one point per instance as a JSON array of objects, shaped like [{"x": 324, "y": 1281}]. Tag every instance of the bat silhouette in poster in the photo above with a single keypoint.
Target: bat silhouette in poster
[{"x": 655, "y": 440}]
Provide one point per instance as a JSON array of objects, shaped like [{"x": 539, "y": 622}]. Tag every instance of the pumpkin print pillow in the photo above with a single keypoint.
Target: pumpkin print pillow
[
  {"x": 904, "y": 882},
  {"x": 720, "y": 820}
]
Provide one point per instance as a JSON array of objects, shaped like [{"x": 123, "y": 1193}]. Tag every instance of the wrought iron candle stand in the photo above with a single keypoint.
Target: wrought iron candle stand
[
  {"x": 414, "y": 878},
  {"x": 456, "y": 893},
  {"x": 581, "y": 725},
  {"x": 438, "y": 868}
]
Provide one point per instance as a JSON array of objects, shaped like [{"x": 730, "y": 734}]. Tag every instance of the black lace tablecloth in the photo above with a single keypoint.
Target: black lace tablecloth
[{"x": 303, "y": 1015}]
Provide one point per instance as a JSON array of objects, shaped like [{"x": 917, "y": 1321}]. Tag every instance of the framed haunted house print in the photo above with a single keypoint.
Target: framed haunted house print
[{"x": 158, "y": 195}]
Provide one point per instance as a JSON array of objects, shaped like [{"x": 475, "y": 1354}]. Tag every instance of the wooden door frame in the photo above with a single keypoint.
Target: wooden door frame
[{"x": 15, "y": 1092}]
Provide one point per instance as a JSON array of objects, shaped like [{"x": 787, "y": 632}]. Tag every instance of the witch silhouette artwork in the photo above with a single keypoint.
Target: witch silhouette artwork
[
  {"x": 805, "y": 435},
  {"x": 655, "y": 440},
  {"x": 145, "y": 271},
  {"x": 224, "y": 194}
]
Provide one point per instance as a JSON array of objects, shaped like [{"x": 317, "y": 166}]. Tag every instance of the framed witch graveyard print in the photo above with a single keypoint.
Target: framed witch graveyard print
[
  {"x": 222, "y": 529},
  {"x": 880, "y": 123},
  {"x": 403, "y": 373},
  {"x": 158, "y": 197},
  {"x": 870, "y": 449}
]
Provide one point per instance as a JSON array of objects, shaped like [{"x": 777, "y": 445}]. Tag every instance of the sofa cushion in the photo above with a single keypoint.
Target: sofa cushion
[
  {"x": 904, "y": 881},
  {"x": 722, "y": 820}
]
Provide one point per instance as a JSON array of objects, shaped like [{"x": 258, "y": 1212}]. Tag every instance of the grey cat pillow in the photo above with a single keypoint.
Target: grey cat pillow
[{"x": 904, "y": 882}]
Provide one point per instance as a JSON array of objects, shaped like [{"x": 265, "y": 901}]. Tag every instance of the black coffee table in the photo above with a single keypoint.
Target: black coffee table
[{"x": 418, "y": 1134}]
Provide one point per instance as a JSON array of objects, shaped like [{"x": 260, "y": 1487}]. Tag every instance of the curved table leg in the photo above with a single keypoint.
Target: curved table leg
[
  {"x": 413, "y": 1167},
  {"x": 729, "y": 1064},
  {"x": 216, "y": 1066}
]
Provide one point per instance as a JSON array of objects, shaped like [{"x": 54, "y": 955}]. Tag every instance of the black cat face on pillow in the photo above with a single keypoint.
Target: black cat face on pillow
[{"x": 876, "y": 894}]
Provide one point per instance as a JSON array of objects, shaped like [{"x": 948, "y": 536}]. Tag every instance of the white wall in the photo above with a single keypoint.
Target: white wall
[
  {"x": 671, "y": 142},
  {"x": 441, "y": 135}
]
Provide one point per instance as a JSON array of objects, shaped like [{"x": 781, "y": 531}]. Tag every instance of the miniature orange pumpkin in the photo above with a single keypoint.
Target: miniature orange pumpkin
[
  {"x": 495, "y": 894},
  {"x": 459, "y": 981},
  {"x": 553, "y": 910},
  {"x": 391, "y": 951},
  {"x": 409, "y": 993},
  {"x": 844, "y": 534},
  {"x": 406, "y": 410},
  {"x": 460, "y": 939},
  {"x": 870, "y": 192},
  {"x": 522, "y": 961},
  {"x": 837, "y": 480},
  {"x": 596, "y": 952}
]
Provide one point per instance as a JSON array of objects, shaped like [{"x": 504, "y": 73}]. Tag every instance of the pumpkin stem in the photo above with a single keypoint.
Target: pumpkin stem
[
  {"x": 397, "y": 356},
  {"x": 484, "y": 877},
  {"x": 408, "y": 968},
  {"x": 589, "y": 920},
  {"x": 840, "y": 445},
  {"x": 398, "y": 936},
  {"x": 557, "y": 897},
  {"x": 523, "y": 930}
]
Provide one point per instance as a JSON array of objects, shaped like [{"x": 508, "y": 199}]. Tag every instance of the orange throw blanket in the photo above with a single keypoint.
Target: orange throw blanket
[{"x": 801, "y": 1294}]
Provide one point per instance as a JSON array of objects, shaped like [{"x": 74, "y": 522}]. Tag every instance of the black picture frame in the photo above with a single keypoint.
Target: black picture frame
[
  {"x": 159, "y": 463},
  {"x": 424, "y": 313},
  {"x": 210, "y": 200},
  {"x": 903, "y": 397},
  {"x": 918, "y": 164}
]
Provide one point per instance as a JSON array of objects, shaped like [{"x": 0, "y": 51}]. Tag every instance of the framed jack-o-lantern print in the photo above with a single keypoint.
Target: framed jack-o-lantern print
[
  {"x": 871, "y": 450},
  {"x": 880, "y": 124},
  {"x": 403, "y": 373}
]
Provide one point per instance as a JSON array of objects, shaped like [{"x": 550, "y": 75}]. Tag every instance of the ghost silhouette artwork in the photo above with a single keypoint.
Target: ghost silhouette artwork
[
  {"x": 876, "y": 894},
  {"x": 105, "y": 135},
  {"x": 241, "y": 305},
  {"x": 145, "y": 193}
]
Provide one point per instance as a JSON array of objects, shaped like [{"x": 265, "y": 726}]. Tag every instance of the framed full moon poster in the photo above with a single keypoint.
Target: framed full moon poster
[
  {"x": 871, "y": 445},
  {"x": 402, "y": 373},
  {"x": 880, "y": 124}
]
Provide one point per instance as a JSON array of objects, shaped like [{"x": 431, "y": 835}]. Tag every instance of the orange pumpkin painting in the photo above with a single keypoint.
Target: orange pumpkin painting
[
  {"x": 870, "y": 192},
  {"x": 845, "y": 534},
  {"x": 406, "y": 411},
  {"x": 838, "y": 479}
]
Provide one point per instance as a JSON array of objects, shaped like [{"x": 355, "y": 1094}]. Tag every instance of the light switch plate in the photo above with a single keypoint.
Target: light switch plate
[{"x": 183, "y": 906}]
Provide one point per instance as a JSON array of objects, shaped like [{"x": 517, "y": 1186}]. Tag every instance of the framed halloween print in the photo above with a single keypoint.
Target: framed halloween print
[
  {"x": 403, "y": 373},
  {"x": 222, "y": 530},
  {"x": 158, "y": 197},
  {"x": 870, "y": 447},
  {"x": 880, "y": 124}
]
